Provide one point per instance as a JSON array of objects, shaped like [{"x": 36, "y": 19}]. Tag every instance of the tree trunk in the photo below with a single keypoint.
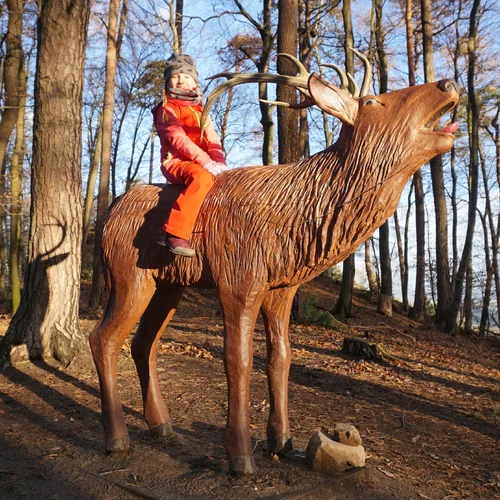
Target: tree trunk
[
  {"x": 417, "y": 312},
  {"x": 46, "y": 322},
  {"x": 402, "y": 264},
  {"x": 432, "y": 268},
  {"x": 443, "y": 283},
  {"x": 3, "y": 229},
  {"x": 115, "y": 146},
  {"x": 179, "y": 8},
  {"x": 288, "y": 119},
  {"x": 385, "y": 299},
  {"x": 262, "y": 65},
  {"x": 348, "y": 39},
  {"x": 468, "y": 301},
  {"x": 97, "y": 293},
  {"x": 410, "y": 48},
  {"x": 451, "y": 323},
  {"x": 491, "y": 264},
  {"x": 152, "y": 134},
  {"x": 370, "y": 273},
  {"x": 485, "y": 317},
  {"x": 227, "y": 109},
  {"x": 454, "y": 201},
  {"x": 444, "y": 292},
  {"x": 344, "y": 301},
  {"x": 89, "y": 196},
  {"x": 495, "y": 228},
  {"x": 16, "y": 170},
  {"x": 305, "y": 55},
  {"x": 11, "y": 72}
]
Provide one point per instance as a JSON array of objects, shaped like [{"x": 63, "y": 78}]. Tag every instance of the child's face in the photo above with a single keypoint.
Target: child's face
[{"x": 182, "y": 81}]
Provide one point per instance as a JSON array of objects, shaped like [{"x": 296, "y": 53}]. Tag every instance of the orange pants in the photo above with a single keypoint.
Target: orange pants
[{"x": 198, "y": 182}]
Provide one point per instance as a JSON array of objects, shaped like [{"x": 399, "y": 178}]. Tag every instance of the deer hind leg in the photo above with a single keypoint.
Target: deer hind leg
[
  {"x": 276, "y": 314},
  {"x": 240, "y": 310},
  {"x": 123, "y": 310},
  {"x": 158, "y": 313}
]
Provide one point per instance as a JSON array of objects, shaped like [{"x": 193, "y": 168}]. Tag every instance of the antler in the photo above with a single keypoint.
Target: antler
[
  {"x": 233, "y": 79},
  {"x": 347, "y": 77},
  {"x": 299, "y": 82}
]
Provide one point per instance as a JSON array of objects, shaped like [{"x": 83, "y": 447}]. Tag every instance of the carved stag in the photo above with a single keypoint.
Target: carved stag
[{"x": 262, "y": 231}]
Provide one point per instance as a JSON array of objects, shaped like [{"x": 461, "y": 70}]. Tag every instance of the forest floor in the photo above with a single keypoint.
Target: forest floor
[{"x": 429, "y": 421}]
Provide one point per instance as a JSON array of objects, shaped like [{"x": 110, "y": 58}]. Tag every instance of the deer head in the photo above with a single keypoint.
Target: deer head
[{"x": 408, "y": 115}]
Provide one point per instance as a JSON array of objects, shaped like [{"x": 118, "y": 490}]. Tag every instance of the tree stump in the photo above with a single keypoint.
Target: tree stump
[{"x": 361, "y": 348}]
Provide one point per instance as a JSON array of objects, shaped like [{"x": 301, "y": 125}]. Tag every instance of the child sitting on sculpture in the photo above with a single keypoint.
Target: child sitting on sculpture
[{"x": 185, "y": 157}]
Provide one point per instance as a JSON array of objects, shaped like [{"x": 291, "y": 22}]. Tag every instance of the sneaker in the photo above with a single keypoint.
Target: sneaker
[{"x": 177, "y": 246}]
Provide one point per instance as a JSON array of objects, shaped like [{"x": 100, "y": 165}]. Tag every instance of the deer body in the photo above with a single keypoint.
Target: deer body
[{"x": 262, "y": 231}]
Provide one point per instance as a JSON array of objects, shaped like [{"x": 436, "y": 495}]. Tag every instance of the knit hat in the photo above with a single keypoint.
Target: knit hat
[{"x": 180, "y": 64}]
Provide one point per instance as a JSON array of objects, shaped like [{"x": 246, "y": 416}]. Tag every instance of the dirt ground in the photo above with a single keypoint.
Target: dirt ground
[{"x": 429, "y": 420}]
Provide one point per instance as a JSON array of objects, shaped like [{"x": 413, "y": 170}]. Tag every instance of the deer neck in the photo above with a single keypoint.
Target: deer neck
[{"x": 348, "y": 195}]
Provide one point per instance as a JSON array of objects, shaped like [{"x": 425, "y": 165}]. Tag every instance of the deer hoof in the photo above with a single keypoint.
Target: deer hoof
[
  {"x": 119, "y": 447},
  {"x": 162, "y": 430},
  {"x": 242, "y": 466},
  {"x": 280, "y": 445}
]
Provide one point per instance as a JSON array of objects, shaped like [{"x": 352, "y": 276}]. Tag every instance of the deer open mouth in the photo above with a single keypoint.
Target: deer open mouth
[{"x": 434, "y": 119}]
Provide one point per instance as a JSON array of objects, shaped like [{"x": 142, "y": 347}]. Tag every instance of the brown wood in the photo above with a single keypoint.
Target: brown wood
[{"x": 261, "y": 232}]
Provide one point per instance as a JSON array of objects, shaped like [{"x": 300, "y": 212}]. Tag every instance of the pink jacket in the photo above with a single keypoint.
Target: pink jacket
[{"x": 178, "y": 126}]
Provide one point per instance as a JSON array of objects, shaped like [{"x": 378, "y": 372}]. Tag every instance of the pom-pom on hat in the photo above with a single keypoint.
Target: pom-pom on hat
[{"x": 180, "y": 64}]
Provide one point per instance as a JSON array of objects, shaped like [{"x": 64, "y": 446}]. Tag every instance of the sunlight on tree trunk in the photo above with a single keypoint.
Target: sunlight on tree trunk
[{"x": 46, "y": 322}]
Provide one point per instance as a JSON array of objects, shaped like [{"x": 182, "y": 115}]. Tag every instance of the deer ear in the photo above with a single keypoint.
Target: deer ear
[{"x": 332, "y": 100}]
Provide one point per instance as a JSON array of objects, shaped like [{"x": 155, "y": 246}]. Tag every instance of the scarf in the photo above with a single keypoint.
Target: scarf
[{"x": 191, "y": 96}]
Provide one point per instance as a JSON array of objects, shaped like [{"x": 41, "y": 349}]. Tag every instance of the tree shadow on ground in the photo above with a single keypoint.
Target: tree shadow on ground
[
  {"x": 377, "y": 395},
  {"x": 85, "y": 415},
  {"x": 488, "y": 380},
  {"x": 415, "y": 374}
]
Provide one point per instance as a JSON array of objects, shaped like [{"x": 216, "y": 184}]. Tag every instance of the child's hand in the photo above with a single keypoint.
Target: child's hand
[{"x": 215, "y": 167}]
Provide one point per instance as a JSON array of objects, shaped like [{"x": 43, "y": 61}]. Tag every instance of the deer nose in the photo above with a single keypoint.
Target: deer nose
[{"x": 448, "y": 85}]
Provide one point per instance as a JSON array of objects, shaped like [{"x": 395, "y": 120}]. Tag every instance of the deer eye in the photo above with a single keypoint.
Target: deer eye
[{"x": 370, "y": 102}]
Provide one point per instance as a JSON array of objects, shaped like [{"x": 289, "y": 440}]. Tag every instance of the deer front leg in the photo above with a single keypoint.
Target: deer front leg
[
  {"x": 240, "y": 313},
  {"x": 276, "y": 314},
  {"x": 157, "y": 315}
]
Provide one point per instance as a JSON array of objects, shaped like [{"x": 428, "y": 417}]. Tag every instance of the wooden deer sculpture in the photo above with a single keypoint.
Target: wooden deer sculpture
[{"x": 262, "y": 231}]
